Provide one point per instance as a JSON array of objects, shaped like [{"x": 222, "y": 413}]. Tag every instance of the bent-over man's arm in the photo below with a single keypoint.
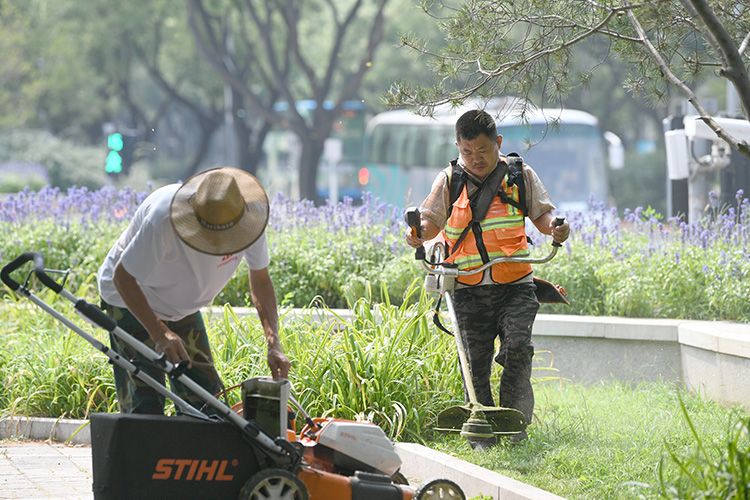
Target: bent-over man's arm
[
  {"x": 165, "y": 340},
  {"x": 264, "y": 300}
]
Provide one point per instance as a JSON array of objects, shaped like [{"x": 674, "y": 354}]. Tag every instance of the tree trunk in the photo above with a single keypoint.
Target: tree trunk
[
  {"x": 208, "y": 127},
  {"x": 249, "y": 135},
  {"x": 250, "y": 139},
  {"x": 312, "y": 150}
]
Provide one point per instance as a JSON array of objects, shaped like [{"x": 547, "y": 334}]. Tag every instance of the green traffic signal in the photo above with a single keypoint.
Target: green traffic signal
[
  {"x": 115, "y": 142},
  {"x": 113, "y": 164}
]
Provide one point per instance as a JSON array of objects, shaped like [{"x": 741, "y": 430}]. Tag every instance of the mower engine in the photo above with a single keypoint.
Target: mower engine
[
  {"x": 332, "y": 445},
  {"x": 344, "y": 446}
]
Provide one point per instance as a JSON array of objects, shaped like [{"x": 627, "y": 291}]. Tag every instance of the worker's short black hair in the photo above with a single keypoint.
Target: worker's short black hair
[{"x": 475, "y": 122}]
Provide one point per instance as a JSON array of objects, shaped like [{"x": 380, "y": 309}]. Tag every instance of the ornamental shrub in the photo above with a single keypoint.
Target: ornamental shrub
[{"x": 638, "y": 265}]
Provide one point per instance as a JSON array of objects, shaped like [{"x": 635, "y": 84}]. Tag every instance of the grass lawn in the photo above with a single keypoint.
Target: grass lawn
[{"x": 605, "y": 440}]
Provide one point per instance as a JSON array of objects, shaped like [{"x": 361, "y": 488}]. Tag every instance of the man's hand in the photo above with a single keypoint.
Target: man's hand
[
  {"x": 173, "y": 347},
  {"x": 429, "y": 231},
  {"x": 559, "y": 233},
  {"x": 412, "y": 240},
  {"x": 278, "y": 363}
]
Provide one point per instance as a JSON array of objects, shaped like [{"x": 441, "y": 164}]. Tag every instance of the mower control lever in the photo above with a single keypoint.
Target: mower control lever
[
  {"x": 414, "y": 221},
  {"x": 179, "y": 368}
]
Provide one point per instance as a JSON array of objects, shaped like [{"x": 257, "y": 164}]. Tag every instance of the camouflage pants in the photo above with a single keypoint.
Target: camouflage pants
[
  {"x": 505, "y": 312},
  {"x": 133, "y": 395}
]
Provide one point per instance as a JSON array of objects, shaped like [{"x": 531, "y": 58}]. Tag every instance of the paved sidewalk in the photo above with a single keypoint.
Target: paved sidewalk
[
  {"x": 48, "y": 470},
  {"x": 39, "y": 469}
]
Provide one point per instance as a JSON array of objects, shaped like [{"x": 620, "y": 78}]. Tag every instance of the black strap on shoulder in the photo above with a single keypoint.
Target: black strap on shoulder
[
  {"x": 516, "y": 177},
  {"x": 456, "y": 183},
  {"x": 487, "y": 191}
]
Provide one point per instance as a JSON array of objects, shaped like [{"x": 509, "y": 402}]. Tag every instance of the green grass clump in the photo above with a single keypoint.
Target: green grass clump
[
  {"x": 387, "y": 364},
  {"x": 611, "y": 440}
]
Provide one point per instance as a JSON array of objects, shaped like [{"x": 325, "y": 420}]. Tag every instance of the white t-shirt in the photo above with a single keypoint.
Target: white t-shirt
[{"x": 176, "y": 279}]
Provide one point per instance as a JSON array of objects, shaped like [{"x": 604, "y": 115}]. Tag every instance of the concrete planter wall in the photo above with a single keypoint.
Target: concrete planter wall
[{"x": 709, "y": 357}]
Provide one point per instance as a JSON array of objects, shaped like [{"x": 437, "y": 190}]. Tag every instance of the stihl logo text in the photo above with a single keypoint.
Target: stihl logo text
[{"x": 193, "y": 469}]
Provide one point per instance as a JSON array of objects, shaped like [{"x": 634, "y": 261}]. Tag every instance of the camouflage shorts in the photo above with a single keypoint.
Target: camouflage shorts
[
  {"x": 133, "y": 395},
  {"x": 505, "y": 312}
]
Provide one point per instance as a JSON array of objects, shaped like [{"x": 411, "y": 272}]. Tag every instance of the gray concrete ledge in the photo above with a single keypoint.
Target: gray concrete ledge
[
  {"x": 37, "y": 428},
  {"x": 424, "y": 464},
  {"x": 606, "y": 327},
  {"x": 708, "y": 357}
]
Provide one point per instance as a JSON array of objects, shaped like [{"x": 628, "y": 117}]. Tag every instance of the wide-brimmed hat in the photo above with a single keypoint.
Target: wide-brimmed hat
[{"x": 220, "y": 211}]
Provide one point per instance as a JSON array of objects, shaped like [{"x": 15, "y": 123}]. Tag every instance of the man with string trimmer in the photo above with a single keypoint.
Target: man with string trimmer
[{"x": 478, "y": 204}]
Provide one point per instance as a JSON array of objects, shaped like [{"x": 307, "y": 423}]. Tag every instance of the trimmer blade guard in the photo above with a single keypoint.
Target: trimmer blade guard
[
  {"x": 550, "y": 293},
  {"x": 502, "y": 420}
]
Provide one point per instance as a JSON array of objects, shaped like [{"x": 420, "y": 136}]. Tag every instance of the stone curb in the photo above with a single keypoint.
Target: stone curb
[
  {"x": 425, "y": 463},
  {"x": 37, "y": 428},
  {"x": 418, "y": 461}
]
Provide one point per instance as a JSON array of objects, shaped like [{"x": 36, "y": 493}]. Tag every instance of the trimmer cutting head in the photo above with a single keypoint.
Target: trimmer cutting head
[{"x": 477, "y": 421}]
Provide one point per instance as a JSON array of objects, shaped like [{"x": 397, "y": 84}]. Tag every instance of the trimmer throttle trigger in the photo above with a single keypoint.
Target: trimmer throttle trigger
[
  {"x": 559, "y": 221},
  {"x": 414, "y": 221}
]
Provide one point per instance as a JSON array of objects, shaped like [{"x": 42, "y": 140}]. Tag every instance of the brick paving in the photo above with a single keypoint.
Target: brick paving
[{"x": 40, "y": 469}]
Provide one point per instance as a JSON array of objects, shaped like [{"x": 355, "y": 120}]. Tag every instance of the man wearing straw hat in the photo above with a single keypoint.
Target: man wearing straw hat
[{"x": 181, "y": 248}]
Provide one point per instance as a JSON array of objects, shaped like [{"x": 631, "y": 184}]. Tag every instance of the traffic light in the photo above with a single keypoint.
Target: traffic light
[{"x": 120, "y": 153}]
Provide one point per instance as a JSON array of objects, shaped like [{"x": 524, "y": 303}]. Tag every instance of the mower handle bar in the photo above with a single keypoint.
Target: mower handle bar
[
  {"x": 18, "y": 262},
  {"x": 99, "y": 318},
  {"x": 39, "y": 270}
]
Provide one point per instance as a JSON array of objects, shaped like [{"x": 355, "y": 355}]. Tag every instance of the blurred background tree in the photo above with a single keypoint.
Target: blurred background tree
[{"x": 202, "y": 83}]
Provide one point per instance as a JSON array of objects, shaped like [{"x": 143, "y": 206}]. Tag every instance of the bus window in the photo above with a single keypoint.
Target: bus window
[
  {"x": 569, "y": 159},
  {"x": 441, "y": 146},
  {"x": 419, "y": 151},
  {"x": 381, "y": 138},
  {"x": 405, "y": 153},
  {"x": 405, "y": 140}
]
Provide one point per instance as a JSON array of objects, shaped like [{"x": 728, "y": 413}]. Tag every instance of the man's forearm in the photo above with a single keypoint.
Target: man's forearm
[
  {"x": 542, "y": 223},
  {"x": 264, "y": 300}
]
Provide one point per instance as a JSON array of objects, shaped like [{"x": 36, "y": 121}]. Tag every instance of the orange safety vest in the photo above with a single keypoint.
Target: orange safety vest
[{"x": 503, "y": 233}]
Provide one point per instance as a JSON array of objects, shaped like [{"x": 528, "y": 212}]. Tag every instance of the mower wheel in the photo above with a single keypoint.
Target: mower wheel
[
  {"x": 274, "y": 484},
  {"x": 443, "y": 489}
]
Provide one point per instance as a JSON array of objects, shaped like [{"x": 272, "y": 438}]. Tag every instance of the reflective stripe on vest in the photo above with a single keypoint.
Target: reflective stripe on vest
[{"x": 503, "y": 234}]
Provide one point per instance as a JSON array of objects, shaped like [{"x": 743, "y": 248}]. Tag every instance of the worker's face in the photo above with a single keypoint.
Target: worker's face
[{"x": 479, "y": 155}]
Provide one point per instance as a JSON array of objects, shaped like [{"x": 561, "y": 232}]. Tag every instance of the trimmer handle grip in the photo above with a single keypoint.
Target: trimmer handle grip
[
  {"x": 559, "y": 221},
  {"x": 414, "y": 221},
  {"x": 18, "y": 262}
]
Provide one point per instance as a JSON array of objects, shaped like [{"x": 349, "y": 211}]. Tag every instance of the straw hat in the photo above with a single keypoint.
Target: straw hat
[{"x": 220, "y": 211}]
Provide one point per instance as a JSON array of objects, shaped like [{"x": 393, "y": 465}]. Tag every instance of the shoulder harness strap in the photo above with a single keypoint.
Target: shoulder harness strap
[
  {"x": 456, "y": 182},
  {"x": 480, "y": 202},
  {"x": 516, "y": 177}
]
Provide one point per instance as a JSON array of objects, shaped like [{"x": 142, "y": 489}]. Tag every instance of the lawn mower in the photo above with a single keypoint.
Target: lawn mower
[
  {"x": 216, "y": 452},
  {"x": 473, "y": 420}
]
